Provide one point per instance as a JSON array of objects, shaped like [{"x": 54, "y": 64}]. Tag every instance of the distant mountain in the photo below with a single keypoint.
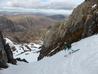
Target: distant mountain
[
  {"x": 27, "y": 27},
  {"x": 58, "y": 17},
  {"x": 53, "y": 16}
]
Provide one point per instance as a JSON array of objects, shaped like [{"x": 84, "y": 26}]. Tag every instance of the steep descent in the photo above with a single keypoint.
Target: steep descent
[{"x": 83, "y": 22}]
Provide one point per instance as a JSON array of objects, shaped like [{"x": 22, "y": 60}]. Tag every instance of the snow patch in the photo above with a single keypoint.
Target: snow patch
[
  {"x": 8, "y": 41},
  {"x": 84, "y": 61},
  {"x": 94, "y": 5},
  {"x": 27, "y": 51}
]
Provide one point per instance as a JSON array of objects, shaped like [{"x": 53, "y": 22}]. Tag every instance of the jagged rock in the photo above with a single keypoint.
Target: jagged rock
[
  {"x": 83, "y": 22},
  {"x": 9, "y": 54},
  {"x": 3, "y": 56},
  {"x": 6, "y": 55}
]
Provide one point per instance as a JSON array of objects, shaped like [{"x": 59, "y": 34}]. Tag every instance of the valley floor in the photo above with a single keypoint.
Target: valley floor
[{"x": 84, "y": 61}]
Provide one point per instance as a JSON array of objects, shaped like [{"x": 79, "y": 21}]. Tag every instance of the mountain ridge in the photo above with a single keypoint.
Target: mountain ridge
[{"x": 82, "y": 23}]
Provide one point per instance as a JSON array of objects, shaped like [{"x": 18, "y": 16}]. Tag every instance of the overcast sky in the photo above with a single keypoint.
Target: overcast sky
[
  {"x": 64, "y": 7},
  {"x": 52, "y": 4}
]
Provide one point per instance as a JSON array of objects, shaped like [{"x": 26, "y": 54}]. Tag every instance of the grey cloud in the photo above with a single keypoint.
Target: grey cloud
[{"x": 50, "y": 4}]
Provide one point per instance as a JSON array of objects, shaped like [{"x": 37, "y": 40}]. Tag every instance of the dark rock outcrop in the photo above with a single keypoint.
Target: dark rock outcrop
[
  {"x": 9, "y": 54},
  {"x": 22, "y": 60},
  {"x": 3, "y": 56},
  {"x": 83, "y": 22},
  {"x": 6, "y": 55}
]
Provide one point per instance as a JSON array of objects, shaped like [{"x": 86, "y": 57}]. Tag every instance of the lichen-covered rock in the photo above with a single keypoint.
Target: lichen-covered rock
[{"x": 83, "y": 22}]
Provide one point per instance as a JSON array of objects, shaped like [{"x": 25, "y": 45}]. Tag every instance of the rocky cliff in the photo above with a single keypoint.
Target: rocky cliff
[
  {"x": 6, "y": 55},
  {"x": 3, "y": 56},
  {"x": 83, "y": 22}
]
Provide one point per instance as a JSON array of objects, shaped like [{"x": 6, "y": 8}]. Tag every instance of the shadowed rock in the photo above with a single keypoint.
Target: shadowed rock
[
  {"x": 9, "y": 55},
  {"x": 3, "y": 56},
  {"x": 6, "y": 55},
  {"x": 22, "y": 60}
]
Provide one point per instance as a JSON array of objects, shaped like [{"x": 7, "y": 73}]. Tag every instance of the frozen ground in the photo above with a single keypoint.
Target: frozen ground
[{"x": 84, "y": 61}]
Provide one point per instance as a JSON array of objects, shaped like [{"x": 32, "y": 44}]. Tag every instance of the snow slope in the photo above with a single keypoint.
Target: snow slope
[
  {"x": 29, "y": 51},
  {"x": 84, "y": 61}
]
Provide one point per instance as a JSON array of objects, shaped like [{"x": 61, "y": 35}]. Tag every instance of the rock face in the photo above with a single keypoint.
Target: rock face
[
  {"x": 83, "y": 22},
  {"x": 6, "y": 55},
  {"x": 3, "y": 56},
  {"x": 9, "y": 54}
]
